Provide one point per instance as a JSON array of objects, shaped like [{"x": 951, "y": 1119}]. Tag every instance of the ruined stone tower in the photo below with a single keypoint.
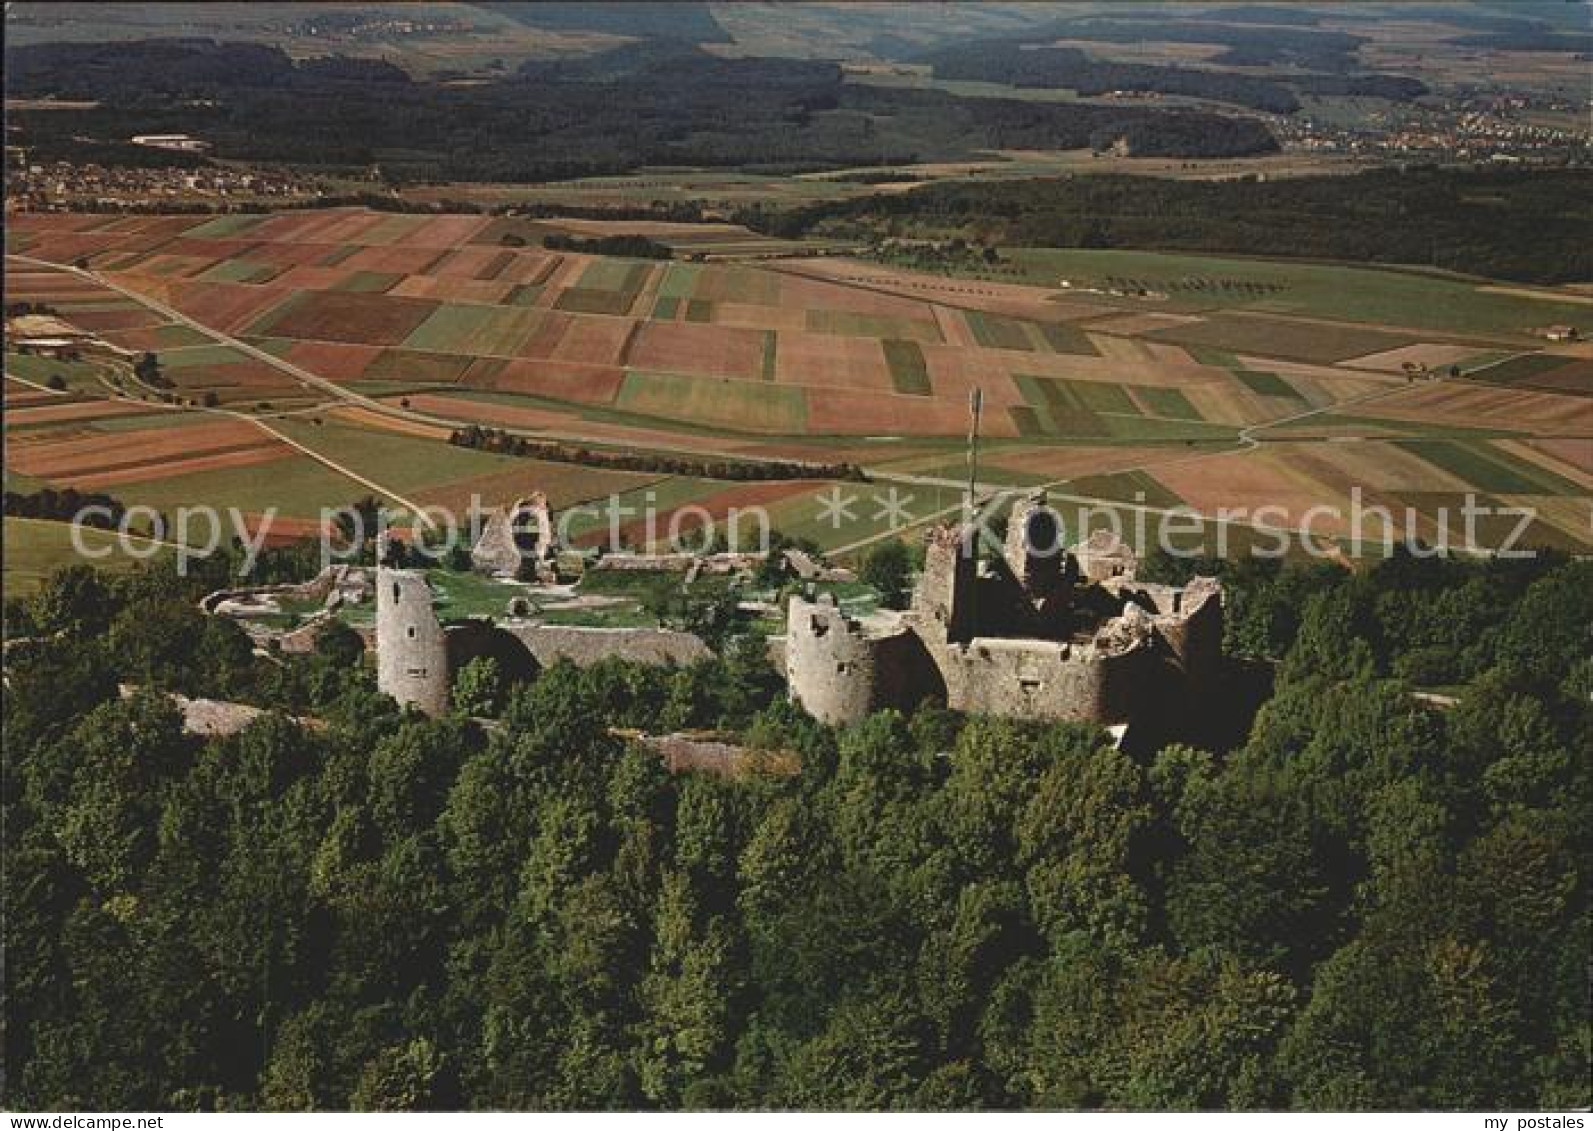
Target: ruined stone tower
[
  {"x": 411, "y": 648},
  {"x": 1035, "y": 549},
  {"x": 840, "y": 668},
  {"x": 1037, "y": 633},
  {"x": 943, "y": 599}
]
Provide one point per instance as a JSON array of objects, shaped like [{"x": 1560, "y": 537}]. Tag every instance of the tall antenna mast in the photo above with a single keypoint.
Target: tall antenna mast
[{"x": 976, "y": 405}]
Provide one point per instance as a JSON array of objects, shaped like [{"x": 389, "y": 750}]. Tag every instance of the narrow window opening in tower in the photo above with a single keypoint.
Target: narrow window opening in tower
[{"x": 1042, "y": 534}]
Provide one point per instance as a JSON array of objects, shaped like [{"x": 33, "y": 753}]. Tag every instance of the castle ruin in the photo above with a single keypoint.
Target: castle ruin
[
  {"x": 417, "y": 655},
  {"x": 515, "y": 537},
  {"x": 1041, "y": 631}
]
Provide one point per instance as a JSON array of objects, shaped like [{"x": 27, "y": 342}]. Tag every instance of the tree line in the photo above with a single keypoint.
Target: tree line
[
  {"x": 507, "y": 443},
  {"x": 1028, "y": 62},
  {"x": 66, "y": 504},
  {"x": 631, "y": 246}
]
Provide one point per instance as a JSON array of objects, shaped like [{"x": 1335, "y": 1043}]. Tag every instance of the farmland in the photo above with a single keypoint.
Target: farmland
[{"x": 310, "y": 358}]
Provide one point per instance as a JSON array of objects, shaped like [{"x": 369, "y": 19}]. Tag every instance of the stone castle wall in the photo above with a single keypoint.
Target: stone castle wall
[
  {"x": 1024, "y": 679},
  {"x": 1017, "y": 636},
  {"x": 416, "y": 655},
  {"x": 582, "y": 646}
]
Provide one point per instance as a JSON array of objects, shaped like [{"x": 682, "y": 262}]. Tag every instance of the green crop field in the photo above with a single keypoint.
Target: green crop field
[
  {"x": 849, "y": 324},
  {"x": 1297, "y": 340},
  {"x": 451, "y": 327},
  {"x": 588, "y": 300},
  {"x": 1059, "y": 337},
  {"x": 809, "y": 516},
  {"x": 468, "y": 329},
  {"x": 908, "y": 372},
  {"x": 193, "y": 356},
  {"x": 1487, "y": 468},
  {"x": 1124, "y": 487},
  {"x": 79, "y": 375},
  {"x": 995, "y": 332},
  {"x": 238, "y": 271},
  {"x": 771, "y": 351},
  {"x": 298, "y": 487},
  {"x": 1387, "y": 296},
  {"x": 226, "y": 227},
  {"x": 1097, "y": 410},
  {"x": 1095, "y": 396},
  {"x": 1267, "y": 384},
  {"x": 744, "y": 405},
  {"x": 401, "y": 463},
  {"x": 1167, "y": 402},
  {"x": 1101, "y": 380},
  {"x": 629, "y": 509},
  {"x": 679, "y": 281},
  {"x": 153, "y": 421},
  {"x": 34, "y": 549},
  {"x": 604, "y": 274},
  {"x": 1521, "y": 368},
  {"x": 411, "y": 366},
  {"x": 370, "y": 282}
]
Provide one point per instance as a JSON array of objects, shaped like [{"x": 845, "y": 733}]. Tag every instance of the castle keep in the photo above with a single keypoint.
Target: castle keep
[{"x": 1040, "y": 632}]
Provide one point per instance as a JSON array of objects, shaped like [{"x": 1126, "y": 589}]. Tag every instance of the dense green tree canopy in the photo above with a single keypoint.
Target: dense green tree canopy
[{"x": 1371, "y": 903}]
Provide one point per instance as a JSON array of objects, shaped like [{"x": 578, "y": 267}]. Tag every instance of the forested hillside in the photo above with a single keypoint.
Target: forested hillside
[
  {"x": 1016, "y": 62},
  {"x": 1376, "y": 903},
  {"x": 651, "y": 103},
  {"x": 1530, "y": 226},
  {"x": 689, "y": 22}
]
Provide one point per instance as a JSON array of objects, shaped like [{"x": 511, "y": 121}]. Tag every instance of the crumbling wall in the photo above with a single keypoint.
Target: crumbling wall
[
  {"x": 411, "y": 648},
  {"x": 550, "y": 643},
  {"x": 1152, "y": 658},
  {"x": 1034, "y": 549},
  {"x": 1194, "y": 630},
  {"x": 940, "y": 600},
  {"x": 514, "y": 535},
  {"x": 1025, "y": 679},
  {"x": 482, "y": 639},
  {"x": 1104, "y": 555},
  {"x": 339, "y": 584}
]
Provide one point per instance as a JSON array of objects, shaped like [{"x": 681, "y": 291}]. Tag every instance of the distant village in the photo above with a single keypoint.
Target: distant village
[
  {"x": 53, "y": 185},
  {"x": 1477, "y": 127}
]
